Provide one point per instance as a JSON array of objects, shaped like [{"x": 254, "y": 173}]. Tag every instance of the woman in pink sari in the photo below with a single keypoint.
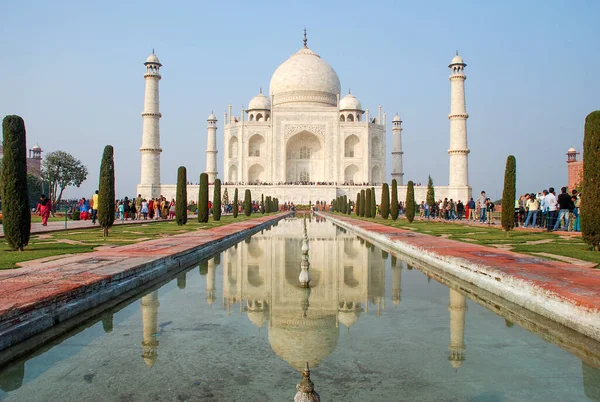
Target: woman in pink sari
[{"x": 43, "y": 208}]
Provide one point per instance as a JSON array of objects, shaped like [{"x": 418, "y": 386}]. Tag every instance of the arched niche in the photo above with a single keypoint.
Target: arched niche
[
  {"x": 352, "y": 147},
  {"x": 233, "y": 147},
  {"x": 375, "y": 147},
  {"x": 304, "y": 158},
  {"x": 256, "y": 146},
  {"x": 351, "y": 174},
  {"x": 256, "y": 173}
]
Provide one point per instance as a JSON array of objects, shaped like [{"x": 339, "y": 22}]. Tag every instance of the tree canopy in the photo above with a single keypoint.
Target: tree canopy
[{"x": 61, "y": 170}]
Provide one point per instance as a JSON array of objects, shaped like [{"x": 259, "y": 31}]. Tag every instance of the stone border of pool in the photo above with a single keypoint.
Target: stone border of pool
[
  {"x": 559, "y": 291},
  {"x": 36, "y": 298}
]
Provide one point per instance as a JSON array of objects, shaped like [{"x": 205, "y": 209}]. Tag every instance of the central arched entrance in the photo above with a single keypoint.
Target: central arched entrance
[{"x": 304, "y": 158}]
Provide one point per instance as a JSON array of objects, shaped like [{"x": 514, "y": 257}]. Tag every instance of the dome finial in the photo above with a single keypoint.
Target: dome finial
[
  {"x": 305, "y": 40},
  {"x": 457, "y": 52},
  {"x": 152, "y": 50},
  {"x": 260, "y": 90},
  {"x": 349, "y": 92},
  {"x": 306, "y": 388}
]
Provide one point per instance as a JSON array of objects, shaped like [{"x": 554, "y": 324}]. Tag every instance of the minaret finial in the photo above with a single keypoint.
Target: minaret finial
[
  {"x": 261, "y": 90},
  {"x": 457, "y": 52},
  {"x": 349, "y": 92},
  {"x": 152, "y": 50},
  {"x": 305, "y": 40}
]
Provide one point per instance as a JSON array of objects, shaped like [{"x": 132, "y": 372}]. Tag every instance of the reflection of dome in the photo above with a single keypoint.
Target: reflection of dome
[
  {"x": 349, "y": 317},
  {"x": 305, "y": 77},
  {"x": 349, "y": 102},
  {"x": 153, "y": 59},
  {"x": 299, "y": 340},
  {"x": 258, "y": 318},
  {"x": 11, "y": 378},
  {"x": 259, "y": 102}
]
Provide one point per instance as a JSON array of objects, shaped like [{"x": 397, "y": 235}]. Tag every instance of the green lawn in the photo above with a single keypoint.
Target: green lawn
[
  {"x": 519, "y": 241},
  {"x": 52, "y": 244}
]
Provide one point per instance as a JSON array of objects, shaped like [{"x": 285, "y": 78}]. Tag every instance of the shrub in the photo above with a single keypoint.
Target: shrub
[
  {"x": 394, "y": 210},
  {"x": 181, "y": 198},
  {"x": 430, "y": 194},
  {"x": 262, "y": 203},
  {"x": 15, "y": 199},
  {"x": 203, "y": 199},
  {"x": 363, "y": 198},
  {"x": 235, "y": 203},
  {"x": 357, "y": 205},
  {"x": 509, "y": 194},
  {"x": 373, "y": 203},
  {"x": 76, "y": 214},
  {"x": 247, "y": 203},
  {"x": 106, "y": 190},
  {"x": 410, "y": 202},
  {"x": 368, "y": 202},
  {"x": 590, "y": 195},
  {"x": 216, "y": 207},
  {"x": 385, "y": 201}
]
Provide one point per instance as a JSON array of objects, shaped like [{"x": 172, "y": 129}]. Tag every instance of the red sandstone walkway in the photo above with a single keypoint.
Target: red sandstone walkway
[
  {"x": 580, "y": 286},
  {"x": 47, "y": 283}
]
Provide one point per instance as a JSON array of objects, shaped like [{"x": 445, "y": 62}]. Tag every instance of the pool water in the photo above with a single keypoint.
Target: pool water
[{"x": 238, "y": 327}]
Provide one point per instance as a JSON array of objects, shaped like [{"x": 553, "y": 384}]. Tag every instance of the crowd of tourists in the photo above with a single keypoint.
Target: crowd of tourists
[{"x": 141, "y": 208}]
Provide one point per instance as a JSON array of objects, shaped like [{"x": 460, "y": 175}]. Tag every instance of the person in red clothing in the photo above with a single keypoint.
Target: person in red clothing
[{"x": 43, "y": 209}]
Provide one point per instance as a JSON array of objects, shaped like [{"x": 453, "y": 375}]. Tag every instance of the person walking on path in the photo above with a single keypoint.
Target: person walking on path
[
  {"x": 43, "y": 209},
  {"x": 471, "y": 209},
  {"x": 576, "y": 204},
  {"x": 138, "y": 207},
  {"x": 95, "y": 205},
  {"x": 565, "y": 206},
  {"x": 550, "y": 204},
  {"x": 532, "y": 206},
  {"x": 481, "y": 203}
]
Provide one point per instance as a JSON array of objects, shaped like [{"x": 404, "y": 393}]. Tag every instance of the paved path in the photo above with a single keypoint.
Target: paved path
[
  {"x": 556, "y": 288},
  {"x": 48, "y": 291},
  {"x": 56, "y": 226}
]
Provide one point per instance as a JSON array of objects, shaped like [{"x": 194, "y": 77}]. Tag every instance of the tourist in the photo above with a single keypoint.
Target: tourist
[
  {"x": 577, "y": 203},
  {"x": 133, "y": 211},
  {"x": 426, "y": 208},
  {"x": 489, "y": 207},
  {"x": 43, "y": 209},
  {"x": 84, "y": 206},
  {"x": 144, "y": 209},
  {"x": 95, "y": 206},
  {"x": 138, "y": 206},
  {"x": 565, "y": 206},
  {"x": 460, "y": 209},
  {"x": 172, "y": 209},
  {"x": 122, "y": 211},
  {"x": 422, "y": 209},
  {"x": 481, "y": 205},
  {"x": 471, "y": 210},
  {"x": 126, "y": 208},
  {"x": 151, "y": 208},
  {"x": 532, "y": 205},
  {"x": 550, "y": 205}
]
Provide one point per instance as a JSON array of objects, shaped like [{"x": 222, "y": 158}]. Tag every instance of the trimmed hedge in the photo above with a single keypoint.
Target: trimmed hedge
[
  {"x": 235, "y": 203},
  {"x": 394, "y": 210},
  {"x": 590, "y": 195},
  {"x": 247, "y": 203},
  {"x": 509, "y": 194},
  {"x": 106, "y": 190},
  {"x": 181, "y": 197},
  {"x": 203, "y": 199},
  {"x": 385, "y": 201},
  {"x": 410, "y": 202},
  {"x": 216, "y": 206}
]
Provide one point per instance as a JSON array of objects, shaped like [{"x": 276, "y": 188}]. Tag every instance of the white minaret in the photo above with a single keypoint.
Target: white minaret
[
  {"x": 459, "y": 151},
  {"x": 457, "y": 308},
  {"x": 397, "y": 172},
  {"x": 211, "y": 148},
  {"x": 150, "y": 305},
  {"x": 150, "y": 182}
]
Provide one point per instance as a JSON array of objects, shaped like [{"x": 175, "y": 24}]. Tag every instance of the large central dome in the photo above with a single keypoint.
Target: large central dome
[{"x": 305, "y": 78}]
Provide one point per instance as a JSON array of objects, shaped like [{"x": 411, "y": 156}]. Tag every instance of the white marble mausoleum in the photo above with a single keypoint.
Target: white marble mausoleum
[{"x": 303, "y": 141}]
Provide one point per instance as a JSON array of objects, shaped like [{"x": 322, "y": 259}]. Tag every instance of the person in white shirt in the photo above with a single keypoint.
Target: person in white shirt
[
  {"x": 482, "y": 207},
  {"x": 550, "y": 204}
]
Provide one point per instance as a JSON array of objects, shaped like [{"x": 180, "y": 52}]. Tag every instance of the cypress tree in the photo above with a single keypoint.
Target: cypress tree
[
  {"x": 181, "y": 199},
  {"x": 373, "y": 203},
  {"x": 262, "y": 203},
  {"x": 276, "y": 204},
  {"x": 349, "y": 207},
  {"x": 357, "y": 205},
  {"x": 410, "y": 202},
  {"x": 368, "y": 201},
  {"x": 15, "y": 199},
  {"x": 106, "y": 190},
  {"x": 363, "y": 202},
  {"x": 509, "y": 194},
  {"x": 590, "y": 196},
  {"x": 247, "y": 203},
  {"x": 394, "y": 203},
  {"x": 203, "y": 199},
  {"x": 235, "y": 203},
  {"x": 216, "y": 207},
  {"x": 430, "y": 194},
  {"x": 385, "y": 201},
  {"x": 345, "y": 205}
]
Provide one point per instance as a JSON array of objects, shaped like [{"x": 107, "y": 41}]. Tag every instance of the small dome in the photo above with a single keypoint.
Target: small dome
[
  {"x": 457, "y": 60},
  {"x": 349, "y": 102},
  {"x": 396, "y": 118},
  {"x": 212, "y": 117},
  {"x": 153, "y": 59},
  {"x": 571, "y": 151},
  {"x": 36, "y": 147},
  {"x": 259, "y": 102}
]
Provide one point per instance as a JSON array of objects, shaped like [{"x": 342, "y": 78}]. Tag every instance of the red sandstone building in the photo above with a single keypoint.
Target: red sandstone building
[
  {"x": 575, "y": 168},
  {"x": 34, "y": 160}
]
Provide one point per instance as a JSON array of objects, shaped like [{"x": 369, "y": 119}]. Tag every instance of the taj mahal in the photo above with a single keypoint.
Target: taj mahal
[{"x": 305, "y": 141}]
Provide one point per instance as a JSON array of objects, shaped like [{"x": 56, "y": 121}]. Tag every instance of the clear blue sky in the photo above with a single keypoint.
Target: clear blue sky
[{"x": 74, "y": 71}]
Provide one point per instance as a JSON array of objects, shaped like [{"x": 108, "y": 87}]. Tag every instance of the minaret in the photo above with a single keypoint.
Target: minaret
[
  {"x": 459, "y": 151},
  {"x": 211, "y": 148},
  {"x": 396, "y": 283},
  {"x": 150, "y": 324},
  {"x": 457, "y": 308},
  {"x": 210, "y": 282},
  {"x": 150, "y": 182},
  {"x": 397, "y": 172}
]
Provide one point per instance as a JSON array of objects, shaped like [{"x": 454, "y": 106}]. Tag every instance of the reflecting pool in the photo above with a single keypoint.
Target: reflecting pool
[{"x": 238, "y": 327}]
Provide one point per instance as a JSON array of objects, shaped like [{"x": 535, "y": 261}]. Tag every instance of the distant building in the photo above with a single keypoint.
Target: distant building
[
  {"x": 575, "y": 168},
  {"x": 34, "y": 160}
]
